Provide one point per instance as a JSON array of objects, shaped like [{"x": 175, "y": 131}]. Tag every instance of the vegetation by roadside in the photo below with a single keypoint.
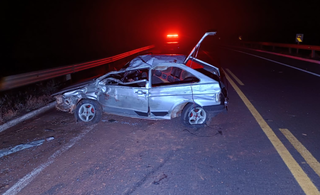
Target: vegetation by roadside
[{"x": 16, "y": 102}]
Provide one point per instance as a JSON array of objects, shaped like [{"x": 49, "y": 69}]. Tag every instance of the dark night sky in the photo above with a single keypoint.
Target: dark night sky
[{"x": 63, "y": 32}]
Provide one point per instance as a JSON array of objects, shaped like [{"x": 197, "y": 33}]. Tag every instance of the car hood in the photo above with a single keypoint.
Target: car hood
[{"x": 75, "y": 87}]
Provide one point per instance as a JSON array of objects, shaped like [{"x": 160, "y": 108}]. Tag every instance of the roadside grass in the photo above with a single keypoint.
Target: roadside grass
[{"x": 16, "y": 102}]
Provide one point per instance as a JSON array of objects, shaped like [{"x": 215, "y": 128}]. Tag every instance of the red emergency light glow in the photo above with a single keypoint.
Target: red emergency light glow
[
  {"x": 172, "y": 42},
  {"x": 172, "y": 36}
]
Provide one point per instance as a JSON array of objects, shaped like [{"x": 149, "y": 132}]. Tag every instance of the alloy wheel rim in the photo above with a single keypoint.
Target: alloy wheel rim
[
  {"x": 197, "y": 116},
  {"x": 86, "y": 112}
]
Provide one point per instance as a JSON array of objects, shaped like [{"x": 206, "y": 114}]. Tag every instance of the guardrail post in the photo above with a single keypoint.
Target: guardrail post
[
  {"x": 313, "y": 53},
  {"x": 68, "y": 77}
]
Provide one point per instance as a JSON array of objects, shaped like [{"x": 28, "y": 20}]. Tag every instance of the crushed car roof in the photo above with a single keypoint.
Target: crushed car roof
[{"x": 152, "y": 60}]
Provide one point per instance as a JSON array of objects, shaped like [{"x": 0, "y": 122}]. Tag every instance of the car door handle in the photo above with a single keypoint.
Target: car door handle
[{"x": 140, "y": 92}]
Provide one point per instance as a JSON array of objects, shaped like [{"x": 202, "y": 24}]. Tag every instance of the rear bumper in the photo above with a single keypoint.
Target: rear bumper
[{"x": 216, "y": 109}]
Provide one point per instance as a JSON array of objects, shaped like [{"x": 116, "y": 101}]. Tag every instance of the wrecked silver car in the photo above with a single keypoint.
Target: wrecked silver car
[{"x": 162, "y": 86}]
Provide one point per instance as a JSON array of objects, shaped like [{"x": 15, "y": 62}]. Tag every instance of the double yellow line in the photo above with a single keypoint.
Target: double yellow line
[{"x": 301, "y": 177}]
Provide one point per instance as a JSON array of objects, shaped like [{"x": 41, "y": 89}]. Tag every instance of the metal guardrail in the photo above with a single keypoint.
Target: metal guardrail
[
  {"x": 313, "y": 48},
  {"x": 19, "y": 80}
]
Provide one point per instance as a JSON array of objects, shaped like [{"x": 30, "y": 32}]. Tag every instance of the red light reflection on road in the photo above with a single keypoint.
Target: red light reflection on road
[{"x": 172, "y": 42}]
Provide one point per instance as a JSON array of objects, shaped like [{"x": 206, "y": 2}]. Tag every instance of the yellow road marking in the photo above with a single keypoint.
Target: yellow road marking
[
  {"x": 308, "y": 157},
  {"x": 235, "y": 77},
  {"x": 301, "y": 177}
]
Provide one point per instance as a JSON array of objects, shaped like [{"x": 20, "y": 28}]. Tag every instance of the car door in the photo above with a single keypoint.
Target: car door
[
  {"x": 169, "y": 88},
  {"x": 129, "y": 96}
]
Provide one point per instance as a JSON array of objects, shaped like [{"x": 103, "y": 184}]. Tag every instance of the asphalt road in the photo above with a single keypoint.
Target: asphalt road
[{"x": 243, "y": 151}]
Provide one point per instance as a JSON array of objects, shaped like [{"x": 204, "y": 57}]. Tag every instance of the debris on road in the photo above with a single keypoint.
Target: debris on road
[
  {"x": 121, "y": 122},
  {"x": 160, "y": 178},
  {"x": 202, "y": 134},
  {"x": 49, "y": 138},
  {"x": 50, "y": 130},
  {"x": 17, "y": 148}
]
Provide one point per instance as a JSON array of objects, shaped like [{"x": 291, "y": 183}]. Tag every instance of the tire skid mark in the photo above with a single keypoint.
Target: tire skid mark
[{"x": 144, "y": 179}]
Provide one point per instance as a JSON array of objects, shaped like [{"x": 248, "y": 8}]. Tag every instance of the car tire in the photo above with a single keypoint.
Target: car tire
[
  {"x": 88, "y": 111},
  {"x": 194, "y": 115}
]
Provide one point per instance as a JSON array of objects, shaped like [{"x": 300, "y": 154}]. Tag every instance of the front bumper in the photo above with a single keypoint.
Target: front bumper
[{"x": 64, "y": 105}]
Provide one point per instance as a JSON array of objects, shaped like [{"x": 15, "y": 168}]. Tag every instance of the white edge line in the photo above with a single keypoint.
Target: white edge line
[
  {"x": 312, "y": 73},
  {"x": 289, "y": 56},
  {"x": 284, "y": 55},
  {"x": 23, "y": 182}
]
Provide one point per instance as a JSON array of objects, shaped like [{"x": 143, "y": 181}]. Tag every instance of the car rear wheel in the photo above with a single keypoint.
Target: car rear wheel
[
  {"x": 194, "y": 115},
  {"x": 88, "y": 111}
]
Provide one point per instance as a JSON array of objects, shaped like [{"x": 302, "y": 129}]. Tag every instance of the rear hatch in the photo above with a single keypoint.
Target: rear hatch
[{"x": 194, "y": 62}]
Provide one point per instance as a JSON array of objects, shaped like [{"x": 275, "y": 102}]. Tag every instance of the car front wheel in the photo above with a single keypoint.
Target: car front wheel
[
  {"x": 194, "y": 115},
  {"x": 88, "y": 111}
]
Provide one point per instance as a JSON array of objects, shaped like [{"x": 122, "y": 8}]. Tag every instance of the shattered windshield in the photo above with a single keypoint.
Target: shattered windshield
[{"x": 136, "y": 77}]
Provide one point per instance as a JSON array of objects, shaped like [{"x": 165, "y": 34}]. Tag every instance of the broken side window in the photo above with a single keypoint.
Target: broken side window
[
  {"x": 171, "y": 76},
  {"x": 135, "y": 75}
]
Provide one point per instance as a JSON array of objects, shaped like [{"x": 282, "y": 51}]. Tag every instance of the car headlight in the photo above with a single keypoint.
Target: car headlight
[
  {"x": 59, "y": 99},
  {"x": 84, "y": 90},
  {"x": 218, "y": 98}
]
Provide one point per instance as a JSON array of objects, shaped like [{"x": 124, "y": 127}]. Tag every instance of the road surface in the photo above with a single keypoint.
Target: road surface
[{"x": 267, "y": 142}]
